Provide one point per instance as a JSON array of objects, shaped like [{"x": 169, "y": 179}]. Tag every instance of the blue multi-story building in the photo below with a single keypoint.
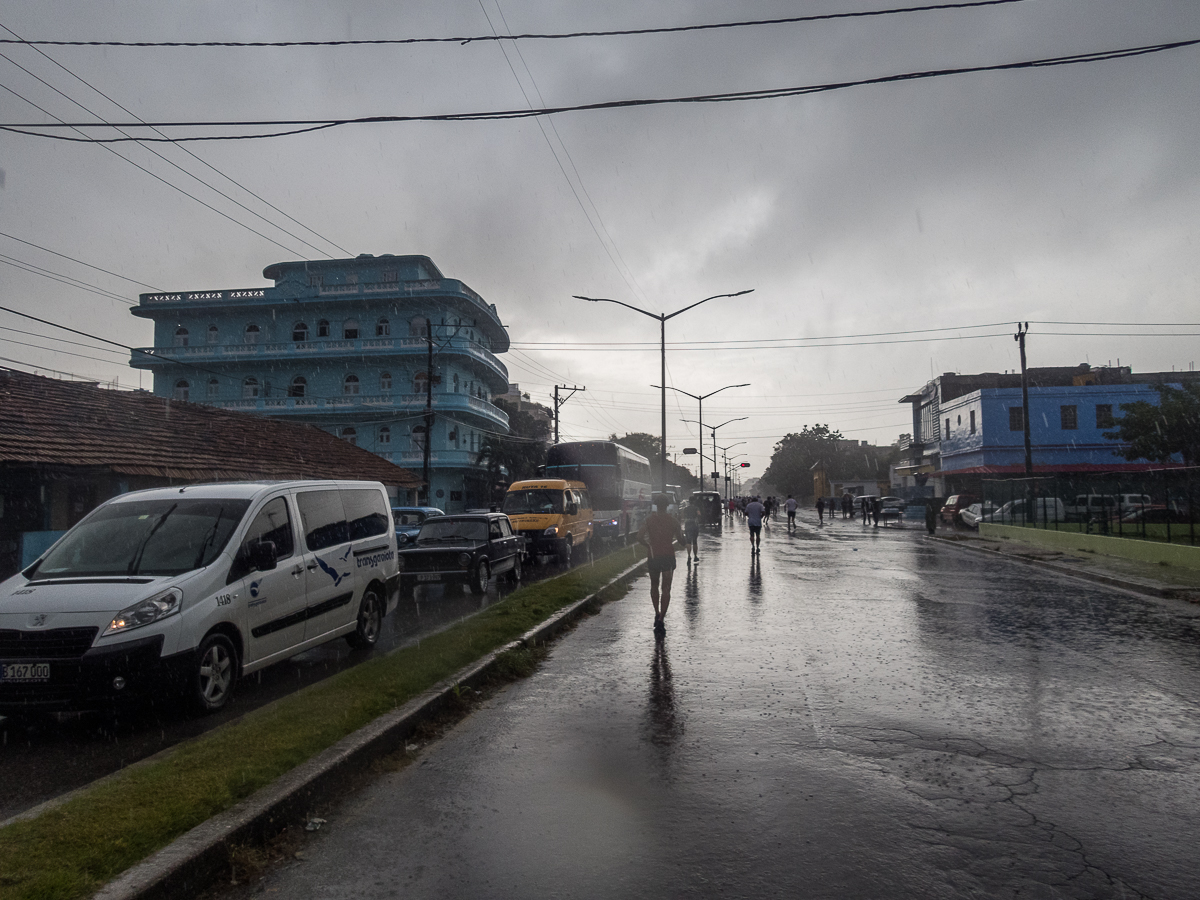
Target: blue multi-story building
[
  {"x": 970, "y": 427},
  {"x": 345, "y": 345}
]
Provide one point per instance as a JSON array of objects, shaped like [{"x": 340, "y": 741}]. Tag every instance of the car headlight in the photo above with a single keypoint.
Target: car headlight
[
  {"x": 464, "y": 559},
  {"x": 158, "y": 607},
  {"x": 552, "y": 530},
  {"x": 401, "y": 538}
]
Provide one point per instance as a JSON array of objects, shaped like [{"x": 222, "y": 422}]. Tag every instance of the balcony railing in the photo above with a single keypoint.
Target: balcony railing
[
  {"x": 414, "y": 459},
  {"x": 442, "y": 403},
  {"x": 146, "y": 357}
]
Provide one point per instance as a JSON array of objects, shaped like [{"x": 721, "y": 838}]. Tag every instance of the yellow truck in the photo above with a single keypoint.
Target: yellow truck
[{"x": 553, "y": 514}]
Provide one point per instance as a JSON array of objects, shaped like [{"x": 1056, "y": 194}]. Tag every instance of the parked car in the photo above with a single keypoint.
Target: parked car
[
  {"x": 553, "y": 515},
  {"x": 955, "y": 504},
  {"x": 976, "y": 513},
  {"x": 1090, "y": 506},
  {"x": 1154, "y": 514},
  {"x": 462, "y": 549},
  {"x": 1018, "y": 512},
  {"x": 409, "y": 520},
  {"x": 190, "y": 589}
]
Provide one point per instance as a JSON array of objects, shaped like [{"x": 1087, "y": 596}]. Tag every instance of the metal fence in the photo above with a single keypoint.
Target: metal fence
[{"x": 1156, "y": 505}]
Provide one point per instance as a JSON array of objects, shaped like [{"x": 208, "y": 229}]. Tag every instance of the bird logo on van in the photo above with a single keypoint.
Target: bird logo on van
[
  {"x": 332, "y": 572},
  {"x": 254, "y": 589}
]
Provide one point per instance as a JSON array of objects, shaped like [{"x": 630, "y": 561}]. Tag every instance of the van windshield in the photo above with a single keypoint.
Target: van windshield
[
  {"x": 147, "y": 537},
  {"x": 543, "y": 502}
]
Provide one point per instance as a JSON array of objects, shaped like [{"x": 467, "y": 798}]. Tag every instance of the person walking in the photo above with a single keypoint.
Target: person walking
[
  {"x": 847, "y": 506},
  {"x": 691, "y": 532},
  {"x": 866, "y": 511},
  {"x": 876, "y": 509},
  {"x": 791, "y": 511},
  {"x": 821, "y": 510},
  {"x": 930, "y": 517},
  {"x": 754, "y": 517},
  {"x": 659, "y": 535}
]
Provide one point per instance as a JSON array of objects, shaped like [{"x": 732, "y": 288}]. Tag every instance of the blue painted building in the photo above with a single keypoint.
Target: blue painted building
[
  {"x": 970, "y": 427},
  {"x": 344, "y": 344}
]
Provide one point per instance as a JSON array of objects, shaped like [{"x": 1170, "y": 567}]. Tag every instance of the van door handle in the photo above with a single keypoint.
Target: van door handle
[
  {"x": 298, "y": 570},
  {"x": 312, "y": 567}
]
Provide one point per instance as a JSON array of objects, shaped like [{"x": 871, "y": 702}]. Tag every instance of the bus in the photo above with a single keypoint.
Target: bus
[{"x": 617, "y": 479}]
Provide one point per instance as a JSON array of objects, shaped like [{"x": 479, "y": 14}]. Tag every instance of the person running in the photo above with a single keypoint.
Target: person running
[
  {"x": 691, "y": 531},
  {"x": 791, "y": 511},
  {"x": 821, "y": 510},
  {"x": 754, "y": 517},
  {"x": 658, "y": 535}
]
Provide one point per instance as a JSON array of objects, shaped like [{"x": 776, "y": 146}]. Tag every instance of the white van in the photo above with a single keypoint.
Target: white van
[{"x": 192, "y": 587}]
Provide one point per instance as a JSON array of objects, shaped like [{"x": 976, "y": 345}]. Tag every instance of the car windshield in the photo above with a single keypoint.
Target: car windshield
[
  {"x": 447, "y": 530},
  {"x": 145, "y": 537},
  {"x": 541, "y": 502}
]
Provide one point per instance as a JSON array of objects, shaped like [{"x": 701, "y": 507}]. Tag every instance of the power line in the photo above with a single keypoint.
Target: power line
[
  {"x": 303, "y": 126},
  {"x": 673, "y": 29},
  {"x": 63, "y": 279},
  {"x": 13, "y": 237}
]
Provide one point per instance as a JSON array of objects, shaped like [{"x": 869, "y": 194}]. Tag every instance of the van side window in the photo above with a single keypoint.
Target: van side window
[
  {"x": 366, "y": 513},
  {"x": 324, "y": 519},
  {"x": 271, "y": 524}
]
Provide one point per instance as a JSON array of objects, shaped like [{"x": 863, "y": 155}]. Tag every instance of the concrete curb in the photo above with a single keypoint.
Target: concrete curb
[
  {"x": 1137, "y": 587},
  {"x": 193, "y": 861}
]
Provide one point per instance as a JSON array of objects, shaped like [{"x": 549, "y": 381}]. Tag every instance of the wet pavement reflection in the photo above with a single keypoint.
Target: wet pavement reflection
[{"x": 857, "y": 712}]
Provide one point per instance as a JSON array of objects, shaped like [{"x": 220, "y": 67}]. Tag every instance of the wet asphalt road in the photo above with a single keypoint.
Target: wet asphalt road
[
  {"x": 47, "y": 756},
  {"x": 861, "y": 713}
]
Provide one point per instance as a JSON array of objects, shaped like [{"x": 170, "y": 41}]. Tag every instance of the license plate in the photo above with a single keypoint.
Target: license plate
[
  {"x": 25, "y": 672},
  {"x": 429, "y": 578}
]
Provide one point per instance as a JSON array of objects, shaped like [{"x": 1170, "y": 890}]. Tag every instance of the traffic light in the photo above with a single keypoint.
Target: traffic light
[
  {"x": 743, "y": 465},
  {"x": 690, "y": 451}
]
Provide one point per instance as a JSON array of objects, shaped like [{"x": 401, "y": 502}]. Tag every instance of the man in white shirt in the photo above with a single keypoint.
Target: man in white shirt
[
  {"x": 791, "y": 511},
  {"x": 754, "y": 516}
]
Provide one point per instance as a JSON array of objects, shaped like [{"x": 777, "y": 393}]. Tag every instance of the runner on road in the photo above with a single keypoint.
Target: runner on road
[
  {"x": 754, "y": 517},
  {"x": 791, "y": 511},
  {"x": 821, "y": 510},
  {"x": 691, "y": 531},
  {"x": 659, "y": 534}
]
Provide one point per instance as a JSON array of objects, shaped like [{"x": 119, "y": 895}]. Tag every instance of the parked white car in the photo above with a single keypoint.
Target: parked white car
[
  {"x": 193, "y": 587},
  {"x": 1018, "y": 512},
  {"x": 976, "y": 513}
]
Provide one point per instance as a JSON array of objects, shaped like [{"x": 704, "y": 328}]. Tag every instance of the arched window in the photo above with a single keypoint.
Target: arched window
[
  {"x": 253, "y": 334},
  {"x": 214, "y": 334},
  {"x": 182, "y": 389},
  {"x": 350, "y": 330},
  {"x": 349, "y": 434},
  {"x": 383, "y": 328},
  {"x": 299, "y": 332},
  {"x": 385, "y": 435},
  {"x": 181, "y": 336},
  {"x": 385, "y": 381},
  {"x": 350, "y": 385},
  {"x": 418, "y": 437},
  {"x": 214, "y": 389},
  {"x": 418, "y": 327},
  {"x": 250, "y": 389},
  {"x": 420, "y": 380},
  {"x": 298, "y": 386},
  {"x": 323, "y": 328}
]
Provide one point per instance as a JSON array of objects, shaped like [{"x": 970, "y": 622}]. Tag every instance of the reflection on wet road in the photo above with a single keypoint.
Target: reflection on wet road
[
  {"x": 48, "y": 756},
  {"x": 857, "y": 713}
]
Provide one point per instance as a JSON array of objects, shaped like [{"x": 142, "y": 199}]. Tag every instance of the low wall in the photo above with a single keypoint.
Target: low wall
[{"x": 1183, "y": 555}]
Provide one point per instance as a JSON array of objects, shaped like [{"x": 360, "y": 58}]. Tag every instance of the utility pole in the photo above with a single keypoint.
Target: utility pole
[
  {"x": 557, "y": 403},
  {"x": 1019, "y": 337},
  {"x": 428, "y": 409}
]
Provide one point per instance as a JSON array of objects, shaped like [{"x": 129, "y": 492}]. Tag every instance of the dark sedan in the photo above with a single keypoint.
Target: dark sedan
[{"x": 464, "y": 549}]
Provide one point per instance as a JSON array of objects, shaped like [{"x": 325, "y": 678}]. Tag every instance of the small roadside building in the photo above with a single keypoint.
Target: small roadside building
[{"x": 66, "y": 447}]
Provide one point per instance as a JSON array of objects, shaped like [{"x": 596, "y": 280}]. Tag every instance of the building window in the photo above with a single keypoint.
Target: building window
[
  {"x": 323, "y": 328},
  {"x": 385, "y": 381},
  {"x": 383, "y": 328},
  {"x": 253, "y": 334},
  {"x": 299, "y": 332},
  {"x": 456, "y": 382},
  {"x": 182, "y": 389},
  {"x": 1016, "y": 418},
  {"x": 1069, "y": 416},
  {"x": 250, "y": 389},
  {"x": 418, "y": 437},
  {"x": 298, "y": 387},
  {"x": 385, "y": 435},
  {"x": 181, "y": 337},
  {"x": 214, "y": 389},
  {"x": 350, "y": 435},
  {"x": 420, "y": 382},
  {"x": 350, "y": 385},
  {"x": 972, "y": 421},
  {"x": 214, "y": 334},
  {"x": 350, "y": 330},
  {"x": 418, "y": 327},
  {"x": 314, "y": 280},
  {"x": 1104, "y": 416}
]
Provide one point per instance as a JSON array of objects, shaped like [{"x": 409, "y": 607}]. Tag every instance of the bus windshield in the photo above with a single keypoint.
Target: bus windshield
[{"x": 542, "y": 502}]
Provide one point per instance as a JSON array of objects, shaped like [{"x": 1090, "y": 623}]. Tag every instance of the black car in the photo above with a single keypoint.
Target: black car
[{"x": 464, "y": 549}]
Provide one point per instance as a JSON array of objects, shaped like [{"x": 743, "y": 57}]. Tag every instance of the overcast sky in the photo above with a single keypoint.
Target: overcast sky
[{"x": 1059, "y": 194}]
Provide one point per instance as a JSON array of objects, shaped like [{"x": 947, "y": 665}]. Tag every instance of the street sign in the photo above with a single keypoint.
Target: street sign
[{"x": 716, "y": 475}]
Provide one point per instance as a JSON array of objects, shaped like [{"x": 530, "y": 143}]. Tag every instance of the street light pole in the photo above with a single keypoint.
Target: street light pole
[
  {"x": 714, "y": 428},
  {"x": 662, "y": 339},
  {"x": 700, "y": 398}
]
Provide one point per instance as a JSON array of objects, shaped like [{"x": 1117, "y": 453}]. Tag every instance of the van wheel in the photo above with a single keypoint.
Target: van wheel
[
  {"x": 370, "y": 622},
  {"x": 215, "y": 673},
  {"x": 480, "y": 577},
  {"x": 515, "y": 573},
  {"x": 564, "y": 553}
]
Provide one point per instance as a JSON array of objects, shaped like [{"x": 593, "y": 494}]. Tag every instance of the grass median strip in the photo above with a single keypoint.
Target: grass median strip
[{"x": 72, "y": 850}]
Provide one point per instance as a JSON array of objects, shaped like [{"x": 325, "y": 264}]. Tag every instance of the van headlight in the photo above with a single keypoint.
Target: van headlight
[
  {"x": 552, "y": 530},
  {"x": 151, "y": 610}
]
